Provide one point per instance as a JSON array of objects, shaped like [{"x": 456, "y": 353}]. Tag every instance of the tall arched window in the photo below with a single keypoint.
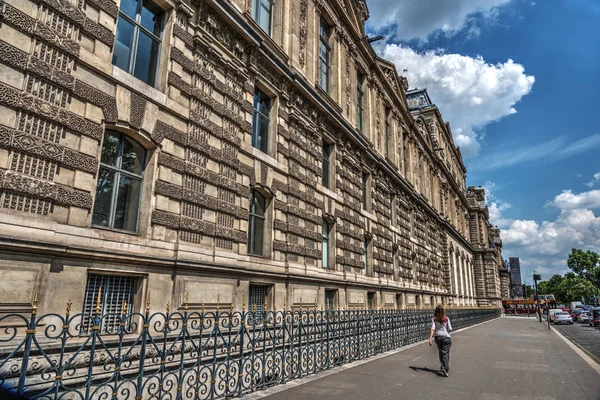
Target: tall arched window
[{"x": 119, "y": 187}]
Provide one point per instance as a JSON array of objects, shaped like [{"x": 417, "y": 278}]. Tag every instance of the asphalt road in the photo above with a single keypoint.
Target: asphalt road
[{"x": 584, "y": 336}]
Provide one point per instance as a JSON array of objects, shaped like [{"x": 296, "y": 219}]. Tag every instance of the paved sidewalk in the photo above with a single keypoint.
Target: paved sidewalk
[{"x": 508, "y": 358}]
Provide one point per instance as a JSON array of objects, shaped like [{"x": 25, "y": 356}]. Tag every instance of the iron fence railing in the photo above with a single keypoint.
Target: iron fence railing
[{"x": 199, "y": 354}]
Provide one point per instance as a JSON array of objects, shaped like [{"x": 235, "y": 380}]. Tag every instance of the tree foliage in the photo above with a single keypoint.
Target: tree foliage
[{"x": 582, "y": 282}]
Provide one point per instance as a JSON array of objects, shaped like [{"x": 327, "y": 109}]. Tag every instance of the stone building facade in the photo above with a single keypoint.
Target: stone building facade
[{"x": 241, "y": 152}]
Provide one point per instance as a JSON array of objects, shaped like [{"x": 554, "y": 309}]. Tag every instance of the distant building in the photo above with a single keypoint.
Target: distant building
[{"x": 515, "y": 276}]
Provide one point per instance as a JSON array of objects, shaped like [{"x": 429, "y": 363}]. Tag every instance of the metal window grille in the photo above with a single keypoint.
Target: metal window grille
[
  {"x": 114, "y": 292},
  {"x": 256, "y": 300}
]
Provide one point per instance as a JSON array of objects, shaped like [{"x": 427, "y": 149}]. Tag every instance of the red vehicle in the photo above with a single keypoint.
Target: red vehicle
[{"x": 594, "y": 316}]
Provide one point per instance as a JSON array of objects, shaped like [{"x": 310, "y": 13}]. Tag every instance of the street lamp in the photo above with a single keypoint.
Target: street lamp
[{"x": 537, "y": 277}]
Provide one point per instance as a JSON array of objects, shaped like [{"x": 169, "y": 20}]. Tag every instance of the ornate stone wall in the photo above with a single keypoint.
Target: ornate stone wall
[{"x": 59, "y": 92}]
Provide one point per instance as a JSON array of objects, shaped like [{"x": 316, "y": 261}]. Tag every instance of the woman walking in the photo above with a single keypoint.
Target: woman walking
[{"x": 440, "y": 328}]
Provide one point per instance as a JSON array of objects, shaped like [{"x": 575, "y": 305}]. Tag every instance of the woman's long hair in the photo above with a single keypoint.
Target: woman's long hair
[{"x": 439, "y": 315}]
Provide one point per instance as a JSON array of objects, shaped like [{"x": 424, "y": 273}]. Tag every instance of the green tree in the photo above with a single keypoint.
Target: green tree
[
  {"x": 576, "y": 288},
  {"x": 585, "y": 264},
  {"x": 553, "y": 286}
]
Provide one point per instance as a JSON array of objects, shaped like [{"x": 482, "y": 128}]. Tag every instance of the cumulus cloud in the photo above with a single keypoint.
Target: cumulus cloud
[
  {"x": 595, "y": 179},
  {"x": 544, "y": 246},
  {"x": 469, "y": 91},
  {"x": 569, "y": 200},
  {"x": 417, "y": 19}
]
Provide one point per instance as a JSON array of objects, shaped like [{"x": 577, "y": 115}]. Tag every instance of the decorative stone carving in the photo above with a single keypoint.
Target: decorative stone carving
[
  {"x": 46, "y": 190},
  {"x": 303, "y": 21},
  {"x": 13, "y": 139},
  {"x": 11, "y": 97},
  {"x": 137, "y": 110}
]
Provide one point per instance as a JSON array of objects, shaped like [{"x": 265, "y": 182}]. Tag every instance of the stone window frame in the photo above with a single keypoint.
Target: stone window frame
[
  {"x": 137, "y": 28},
  {"x": 142, "y": 222},
  {"x": 368, "y": 255}
]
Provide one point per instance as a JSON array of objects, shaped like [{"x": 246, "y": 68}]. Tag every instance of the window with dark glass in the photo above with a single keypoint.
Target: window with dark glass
[
  {"x": 326, "y": 159},
  {"x": 137, "y": 41},
  {"x": 263, "y": 14},
  {"x": 261, "y": 121},
  {"x": 330, "y": 299},
  {"x": 325, "y": 243},
  {"x": 366, "y": 256},
  {"x": 119, "y": 187},
  {"x": 371, "y": 300},
  {"x": 256, "y": 228},
  {"x": 359, "y": 100},
  {"x": 365, "y": 188},
  {"x": 387, "y": 133},
  {"x": 324, "y": 54}
]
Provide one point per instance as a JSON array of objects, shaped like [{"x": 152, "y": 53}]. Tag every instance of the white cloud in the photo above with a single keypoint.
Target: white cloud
[
  {"x": 545, "y": 246},
  {"x": 551, "y": 150},
  {"x": 595, "y": 179},
  {"x": 469, "y": 91},
  {"x": 417, "y": 19},
  {"x": 568, "y": 200}
]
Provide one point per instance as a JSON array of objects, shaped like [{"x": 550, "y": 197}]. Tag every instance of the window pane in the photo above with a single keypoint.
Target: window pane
[
  {"x": 325, "y": 252},
  {"x": 151, "y": 17},
  {"x": 104, "y": 196},
  {"x": 110, "y": 148},
  {"x": 258, "y": 226},
  {"x": 263, "y": 144},
  {"x": 146, "y": 58},
  {"x": 123, "y": 44},
  {"x": 265, "y": 18},
  {"x": 128, "y": 201},
  {"x": 258, "y": 204},
  {"x": 133, "y": 156},
  {"x": 129, "y": 7}
]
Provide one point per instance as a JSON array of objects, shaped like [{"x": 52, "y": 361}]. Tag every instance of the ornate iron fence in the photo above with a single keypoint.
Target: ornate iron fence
[{"x": 196, "y": 355}]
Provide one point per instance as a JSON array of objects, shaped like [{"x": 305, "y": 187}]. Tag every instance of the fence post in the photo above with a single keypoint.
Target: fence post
[{"x": 30, "y": 332}]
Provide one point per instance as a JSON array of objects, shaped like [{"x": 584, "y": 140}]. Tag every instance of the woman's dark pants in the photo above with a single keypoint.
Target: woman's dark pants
[{"x": 444, "y": 343}]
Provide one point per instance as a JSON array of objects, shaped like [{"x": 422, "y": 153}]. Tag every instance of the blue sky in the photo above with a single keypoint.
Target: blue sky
[{"x": 518, "y": 81}]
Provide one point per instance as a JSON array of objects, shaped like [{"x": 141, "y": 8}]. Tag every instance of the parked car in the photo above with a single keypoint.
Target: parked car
[
  {"x": 584, "y": 317},
  {"x": 594, "y": 318},
  {"x": 562, "y": 317}
]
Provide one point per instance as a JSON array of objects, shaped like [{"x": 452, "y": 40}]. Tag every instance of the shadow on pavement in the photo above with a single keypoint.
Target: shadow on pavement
[{"x": 426, "y": 369}]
